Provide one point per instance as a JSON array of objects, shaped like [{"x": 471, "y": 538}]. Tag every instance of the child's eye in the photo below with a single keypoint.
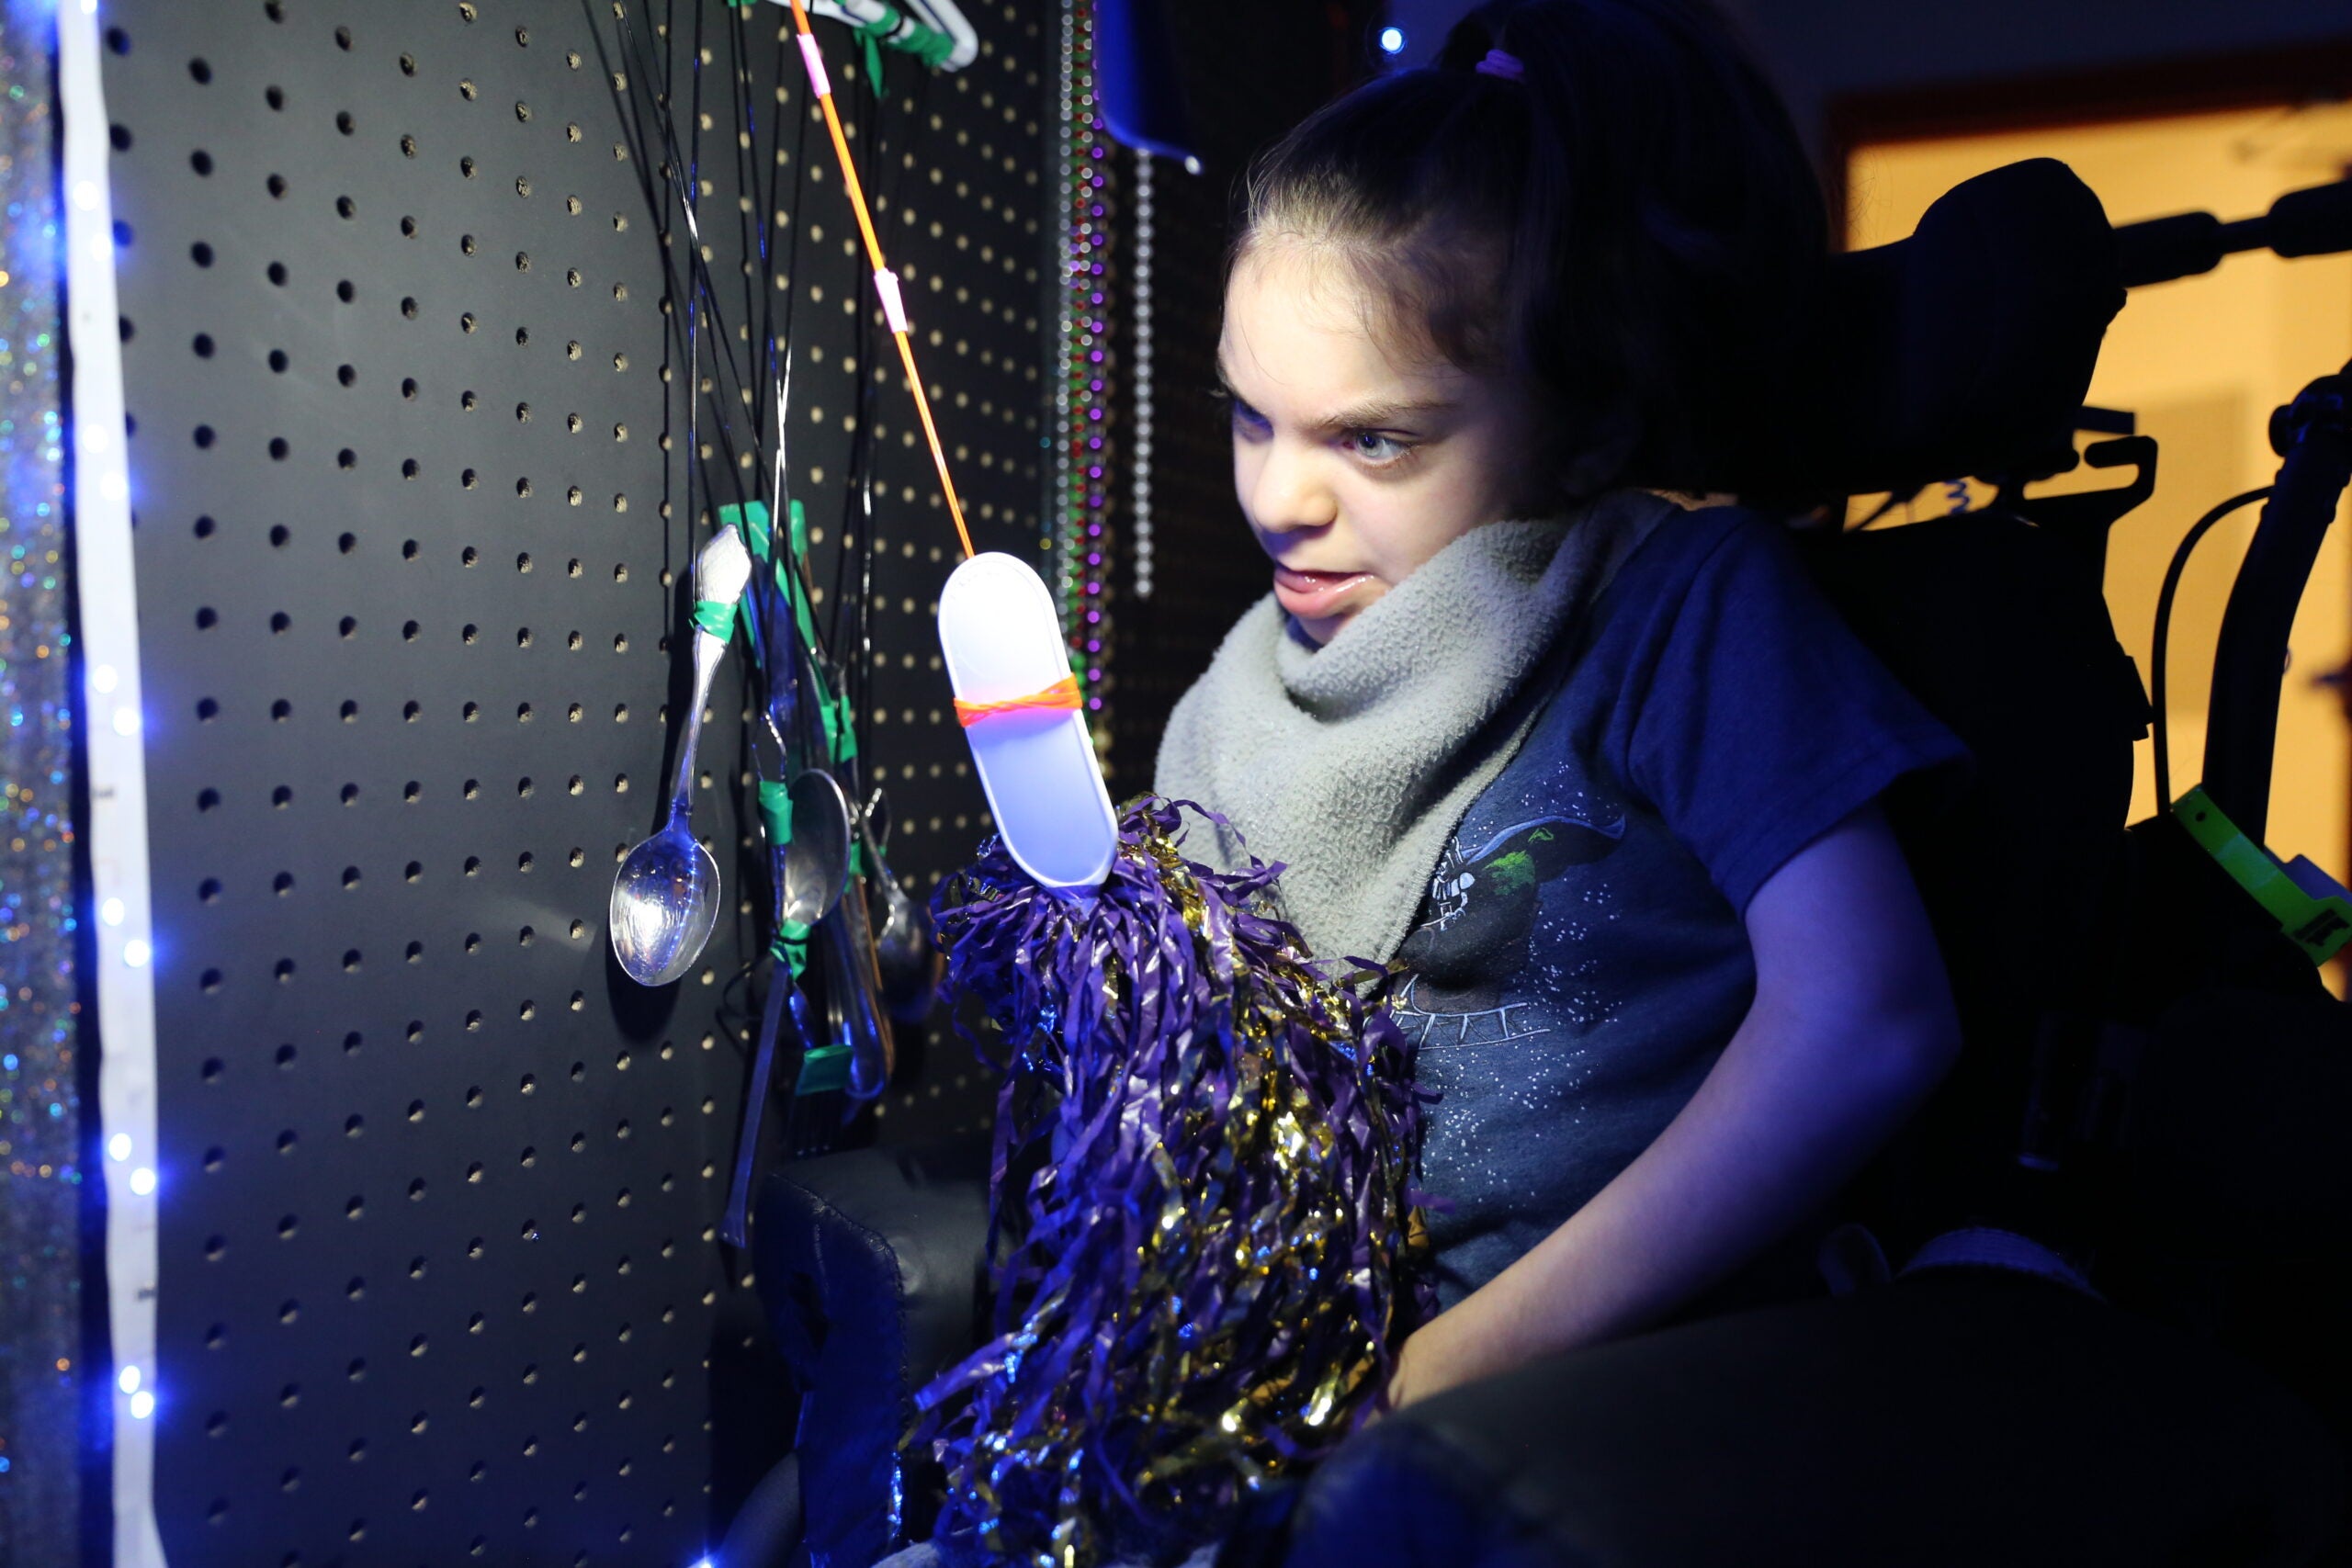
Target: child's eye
[{"x": 1376, "y": 448}]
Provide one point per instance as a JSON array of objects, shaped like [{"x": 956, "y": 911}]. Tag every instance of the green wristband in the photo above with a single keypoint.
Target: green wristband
[{"x": 2318, "y": 923}]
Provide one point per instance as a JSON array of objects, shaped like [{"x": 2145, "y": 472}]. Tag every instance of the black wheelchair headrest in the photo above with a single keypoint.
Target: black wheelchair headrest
[{"x": 1964, "y": 349}]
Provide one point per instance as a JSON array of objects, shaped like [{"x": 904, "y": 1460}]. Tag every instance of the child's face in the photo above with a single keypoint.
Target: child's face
[{"x": 1356, "y": 459}]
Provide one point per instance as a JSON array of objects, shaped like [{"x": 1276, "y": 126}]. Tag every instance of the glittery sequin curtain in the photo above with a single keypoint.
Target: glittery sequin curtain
[{"x": 41, "y": 1120}]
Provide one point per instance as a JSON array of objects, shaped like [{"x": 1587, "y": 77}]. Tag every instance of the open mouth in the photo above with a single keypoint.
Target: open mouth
[{"x": 1315, "y": 595}]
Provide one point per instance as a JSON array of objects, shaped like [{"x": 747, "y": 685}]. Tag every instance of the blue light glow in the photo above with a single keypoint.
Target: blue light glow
[{"x": 1391, "y": 41}]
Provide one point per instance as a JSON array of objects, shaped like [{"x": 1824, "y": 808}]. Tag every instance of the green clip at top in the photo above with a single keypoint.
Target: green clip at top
[
  {"x": 900, "y": 32},
  {"x": 2310, "y": 907},
  {"x": 871, "y": 35}
]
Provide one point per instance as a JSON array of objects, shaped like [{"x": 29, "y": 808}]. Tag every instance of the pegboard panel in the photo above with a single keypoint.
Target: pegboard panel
[{"x": 407, "y": 372}]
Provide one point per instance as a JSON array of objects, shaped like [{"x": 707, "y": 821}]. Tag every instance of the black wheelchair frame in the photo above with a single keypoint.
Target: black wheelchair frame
[{"x": 2103, "y": 972}]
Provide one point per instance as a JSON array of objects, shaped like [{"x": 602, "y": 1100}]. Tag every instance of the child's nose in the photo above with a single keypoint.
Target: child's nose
[{"x": 1287, "y": 495}]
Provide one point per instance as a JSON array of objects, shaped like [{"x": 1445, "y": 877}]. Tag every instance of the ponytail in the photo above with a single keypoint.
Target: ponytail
[{"x": 1629, "y": 220}]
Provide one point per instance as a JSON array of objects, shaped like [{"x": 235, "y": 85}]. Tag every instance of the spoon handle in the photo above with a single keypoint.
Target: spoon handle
[
  {"x": 708, "y": 651},
  {"x": 739, "y": 1198},
  {"x": 876, "y": 1052}
]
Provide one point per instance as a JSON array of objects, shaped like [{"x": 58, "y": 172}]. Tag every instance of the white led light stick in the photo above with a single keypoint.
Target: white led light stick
[
  {"x": 1015, "y": 693},
  {"x": 115, "y": 735}
]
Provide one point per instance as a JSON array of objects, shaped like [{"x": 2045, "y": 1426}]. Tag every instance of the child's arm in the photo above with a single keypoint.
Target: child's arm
[{"x": 1852, "y": 1024}]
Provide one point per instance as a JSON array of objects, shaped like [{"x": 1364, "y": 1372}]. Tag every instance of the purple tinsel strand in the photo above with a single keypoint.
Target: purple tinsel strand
[{"x": 1219, "y": 1229}]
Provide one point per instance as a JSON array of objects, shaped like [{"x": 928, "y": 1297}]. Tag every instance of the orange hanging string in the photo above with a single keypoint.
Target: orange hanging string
[
  {"x": 885, "y": 283},
  {"x": 1062, "y": 695}
]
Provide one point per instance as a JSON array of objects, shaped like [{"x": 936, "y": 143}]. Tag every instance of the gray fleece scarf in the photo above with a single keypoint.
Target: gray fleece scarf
[{"x": 1352, "y": 763}]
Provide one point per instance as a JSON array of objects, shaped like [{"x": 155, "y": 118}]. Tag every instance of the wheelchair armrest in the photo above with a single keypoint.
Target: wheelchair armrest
[{"x": 870, "y": 1263}]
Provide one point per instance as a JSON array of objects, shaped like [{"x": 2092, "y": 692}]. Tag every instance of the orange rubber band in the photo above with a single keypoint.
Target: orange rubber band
[{"x": 1061, "y": 695}]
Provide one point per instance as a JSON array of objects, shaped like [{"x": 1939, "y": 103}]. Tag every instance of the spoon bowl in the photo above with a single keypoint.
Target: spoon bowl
[
  {"x": 815, "y": 860},
  {"x": 902, "y": 944},
  {"x": 665, "y": 896},
  {"x": 665, "y": 901}
]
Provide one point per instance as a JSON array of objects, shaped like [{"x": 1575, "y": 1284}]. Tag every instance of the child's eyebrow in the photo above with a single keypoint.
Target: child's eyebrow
[{"x": 1377, "y": 415}]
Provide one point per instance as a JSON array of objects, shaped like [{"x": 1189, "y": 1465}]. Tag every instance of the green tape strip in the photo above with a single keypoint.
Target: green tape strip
[
  {"x": 751, "y": 521},
  {"x": 775, "y": 811},
  {"x": 787, "y": 574},
  {"x": 824, "y": 1067},
  {"x": 716, "y": 616},
  {"x": 2318, "y": 926},
  {"x": 841, "y": 729},
  {"x": 790, "y": 946},
  {"x": 871, "y": 35},
  {"x": 927, "y": 44}
]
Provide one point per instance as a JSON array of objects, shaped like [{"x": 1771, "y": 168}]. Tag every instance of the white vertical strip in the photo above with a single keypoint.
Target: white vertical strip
[
  {"x": 112, "y": 732},
  {"x": 1056, "y": 519},
  {"x": 1139, "y": 446}
]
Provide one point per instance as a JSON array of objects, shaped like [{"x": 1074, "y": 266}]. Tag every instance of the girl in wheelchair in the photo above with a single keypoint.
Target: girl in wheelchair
[{"x": 1583, "y": 755}]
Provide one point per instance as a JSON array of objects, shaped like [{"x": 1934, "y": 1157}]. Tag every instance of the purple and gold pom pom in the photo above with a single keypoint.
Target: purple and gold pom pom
[{"x": 1201, "y": 1285}]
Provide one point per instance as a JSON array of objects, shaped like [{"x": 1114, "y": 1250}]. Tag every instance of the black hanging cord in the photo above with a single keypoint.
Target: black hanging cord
[
  {"x": 754, "y": 242},
  {"x": 2197, "y": 531},
  {"x": 699, "y": 286}
]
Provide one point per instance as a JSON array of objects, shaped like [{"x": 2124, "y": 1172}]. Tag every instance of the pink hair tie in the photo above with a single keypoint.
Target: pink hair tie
[{"x": 1507, "y": 66}]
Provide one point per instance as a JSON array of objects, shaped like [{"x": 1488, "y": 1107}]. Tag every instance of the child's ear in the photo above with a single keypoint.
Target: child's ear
[{"x": 1597, "y": 460}]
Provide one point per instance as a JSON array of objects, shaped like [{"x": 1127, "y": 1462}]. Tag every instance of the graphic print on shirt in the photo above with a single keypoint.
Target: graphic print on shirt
[{"x": 1478, "y": 925}]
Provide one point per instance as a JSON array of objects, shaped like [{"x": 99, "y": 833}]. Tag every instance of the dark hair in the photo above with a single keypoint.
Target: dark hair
[{"x": 1634, "y": 223}]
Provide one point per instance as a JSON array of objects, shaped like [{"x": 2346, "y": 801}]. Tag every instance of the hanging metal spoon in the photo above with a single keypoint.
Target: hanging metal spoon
[
  {"x": 902, "y": 946},
  {"x": 811, "y": 869},
  {"x": 665, "y": 896}
]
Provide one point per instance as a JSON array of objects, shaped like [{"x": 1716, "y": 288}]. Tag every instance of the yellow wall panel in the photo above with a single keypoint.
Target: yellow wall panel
[{"x": 2202, "y": 361}]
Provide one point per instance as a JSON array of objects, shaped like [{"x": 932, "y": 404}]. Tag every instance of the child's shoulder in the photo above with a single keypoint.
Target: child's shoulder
[{"x": 1706, "y": 551}]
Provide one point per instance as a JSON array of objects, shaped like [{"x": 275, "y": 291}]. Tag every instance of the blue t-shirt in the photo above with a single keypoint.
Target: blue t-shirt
[{"x": 1580, "y": 960}]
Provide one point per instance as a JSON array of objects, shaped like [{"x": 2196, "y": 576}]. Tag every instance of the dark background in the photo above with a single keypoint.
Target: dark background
[
  {"x": 436, "y": 1352},
  {"x": 1208, "y": 568}
]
